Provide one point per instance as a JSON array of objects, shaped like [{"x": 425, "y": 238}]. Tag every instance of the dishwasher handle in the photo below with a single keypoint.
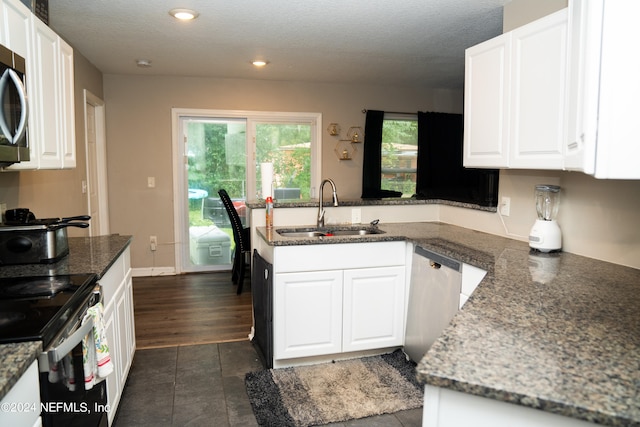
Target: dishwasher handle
[{"x": 438, "y": 259}]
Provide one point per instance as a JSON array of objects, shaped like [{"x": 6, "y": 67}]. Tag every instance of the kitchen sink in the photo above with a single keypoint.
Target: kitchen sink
[{"x": 328, "y": 231}]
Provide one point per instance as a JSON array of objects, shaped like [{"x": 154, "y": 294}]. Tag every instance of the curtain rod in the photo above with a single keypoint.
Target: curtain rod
[{"x": 364, "y": 111}]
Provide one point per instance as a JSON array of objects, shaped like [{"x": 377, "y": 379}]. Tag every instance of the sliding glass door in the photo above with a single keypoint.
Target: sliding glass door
[
  {"x": 216, "y": 158},
  {"x": 225, "y": 150}
]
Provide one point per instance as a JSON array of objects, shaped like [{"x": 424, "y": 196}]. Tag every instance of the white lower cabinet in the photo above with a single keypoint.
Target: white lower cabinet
[
  {"x": 373, "y": 308},
  {"x": 322, "y": 311},
  {"x": 471, "y": 278},
  {"x": 20, "y": 407},
  {"x": 449, "y": 408},
  {"x": 307, "y": 314},
  {"x": 117, "y": 290}
]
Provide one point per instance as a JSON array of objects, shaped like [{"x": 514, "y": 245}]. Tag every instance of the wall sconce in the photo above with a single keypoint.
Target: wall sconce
[
  {"x": 333, "y": 129},
  {"x": 354, "y": 134}
]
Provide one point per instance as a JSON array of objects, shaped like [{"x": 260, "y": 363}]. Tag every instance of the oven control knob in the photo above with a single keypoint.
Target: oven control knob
[{"x": 19, "y": 244}]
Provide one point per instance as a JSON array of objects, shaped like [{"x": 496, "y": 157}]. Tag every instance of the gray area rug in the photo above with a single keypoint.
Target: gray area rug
[{"x": 334, "y": 392}]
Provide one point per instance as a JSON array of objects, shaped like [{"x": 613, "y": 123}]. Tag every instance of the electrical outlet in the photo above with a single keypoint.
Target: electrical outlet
[
  {"x": 505, "y": 206},
  {"x": 151, "y": 181},
  {"x": 356, "y": 216},
  {"x": 153, "y": 242}
]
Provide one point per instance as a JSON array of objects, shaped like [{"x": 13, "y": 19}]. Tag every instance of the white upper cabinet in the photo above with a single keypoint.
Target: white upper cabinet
[
  {"x": 486, "y": 103},
  {"x": 15, "y": 33},
  {"x": 515, "y": 96},
  {"x": 50, "y": 87},
  {"x": 603, "y": 89},
  {"x": 538, "y": 70}
]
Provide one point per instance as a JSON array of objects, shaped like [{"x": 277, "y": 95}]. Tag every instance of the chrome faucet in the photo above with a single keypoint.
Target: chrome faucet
[{"x": 335, "y": 201}]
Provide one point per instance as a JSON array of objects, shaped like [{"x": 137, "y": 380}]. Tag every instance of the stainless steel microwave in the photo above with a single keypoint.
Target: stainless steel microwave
[{"x": 14, "y": 111}]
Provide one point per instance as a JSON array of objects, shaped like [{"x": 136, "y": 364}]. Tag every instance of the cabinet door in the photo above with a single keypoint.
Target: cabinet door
[
  {"x": 486, "y": 103},
  {"x": 604, "y": 88},
  {"x": 538, "y": 81},
  {"x": 114, "y": 384},
  {"x": 123, "y": 348},
  {"x": 15, "y": 31},
  {"x": 21, "y": 404},
  {"x": 50, "y": 87},
  {"x": 44, "y": 98},
  {"x": 307, "y": 314},
  {"x": 374, "y": 301},
  {"x": 131, "y": 325},
  {"x": 66, "y": 111}
]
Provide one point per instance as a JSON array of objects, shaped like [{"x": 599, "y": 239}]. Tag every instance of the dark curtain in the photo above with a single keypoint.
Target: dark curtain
[
  {"x": 371, "y": 166},
  {"x": 440, "y": 173}
]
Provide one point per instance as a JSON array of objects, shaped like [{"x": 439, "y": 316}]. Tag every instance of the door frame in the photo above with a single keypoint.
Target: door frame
[
  {"x": 101, "y": 160},
  {"x": 181, "y": 220}
]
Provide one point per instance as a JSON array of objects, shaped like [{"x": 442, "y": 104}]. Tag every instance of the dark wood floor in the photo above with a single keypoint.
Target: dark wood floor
[{"x": 196, "y": 308}]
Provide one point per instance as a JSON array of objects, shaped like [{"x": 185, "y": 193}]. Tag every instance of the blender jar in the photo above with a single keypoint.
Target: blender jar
[{"x": 547, "y": 201}]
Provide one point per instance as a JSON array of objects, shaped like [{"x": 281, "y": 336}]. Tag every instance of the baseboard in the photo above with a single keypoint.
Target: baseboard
[{"x": 153, "y": 271}]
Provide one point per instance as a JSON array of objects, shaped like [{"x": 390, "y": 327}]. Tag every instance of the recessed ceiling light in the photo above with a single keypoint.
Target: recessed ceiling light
[
  {"x": 143, "y": 63},
  {"x": 259, "y": 63},
  {"x": 184, "y": 14}
]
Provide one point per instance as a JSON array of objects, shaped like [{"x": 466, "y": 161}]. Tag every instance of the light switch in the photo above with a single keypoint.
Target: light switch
[{"x": 151, "y": 181}]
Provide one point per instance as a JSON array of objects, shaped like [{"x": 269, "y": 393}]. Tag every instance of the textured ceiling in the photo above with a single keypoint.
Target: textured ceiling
[{"x": 408, "y": 42}]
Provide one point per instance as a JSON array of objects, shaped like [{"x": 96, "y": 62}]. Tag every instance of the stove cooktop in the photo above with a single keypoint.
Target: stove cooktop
[{"x": 35, "y": 308}]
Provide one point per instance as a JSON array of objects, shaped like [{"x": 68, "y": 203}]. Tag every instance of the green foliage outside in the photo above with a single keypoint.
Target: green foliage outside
[
  {"x": 288, "y": 148},
  {"x": 210, "y": 166},
  {"x": 217, "y": 159},
  {"x": 395, "y": 133}
]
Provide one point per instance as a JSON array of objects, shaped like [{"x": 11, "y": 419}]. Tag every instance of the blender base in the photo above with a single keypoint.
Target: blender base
[{"x": 545, "y": 236}]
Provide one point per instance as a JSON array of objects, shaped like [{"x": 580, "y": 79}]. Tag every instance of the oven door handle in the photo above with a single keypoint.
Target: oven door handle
[{"x": 56, "y": 354}]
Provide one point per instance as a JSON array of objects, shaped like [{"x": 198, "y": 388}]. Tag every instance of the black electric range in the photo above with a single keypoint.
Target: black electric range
[
  {"x": 36, "y": 308},
  {"x": 52, "y": 309}
]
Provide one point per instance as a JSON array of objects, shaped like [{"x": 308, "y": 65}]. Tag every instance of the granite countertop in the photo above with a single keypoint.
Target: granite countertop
[
  {"x": 14, "y": 361},
  {"x": 556, "y": 332},
  {"x": 86, "y": 255}
]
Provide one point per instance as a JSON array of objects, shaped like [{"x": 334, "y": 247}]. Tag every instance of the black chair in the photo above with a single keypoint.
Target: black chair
[{"x": 241, "y": 236}]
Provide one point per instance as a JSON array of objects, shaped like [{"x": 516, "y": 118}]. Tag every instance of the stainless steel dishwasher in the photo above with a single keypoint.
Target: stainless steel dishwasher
[{"x": 434, "y": 298}]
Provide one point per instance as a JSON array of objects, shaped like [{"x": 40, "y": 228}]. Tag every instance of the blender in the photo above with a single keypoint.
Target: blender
[{"x": 545, "y": 235}]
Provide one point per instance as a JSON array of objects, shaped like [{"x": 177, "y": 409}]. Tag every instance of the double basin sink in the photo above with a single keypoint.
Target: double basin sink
[{"x": 328, "y": 231}]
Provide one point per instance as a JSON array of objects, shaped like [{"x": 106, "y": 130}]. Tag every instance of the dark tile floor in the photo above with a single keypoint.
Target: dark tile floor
[{"x": 203, "y": 385}]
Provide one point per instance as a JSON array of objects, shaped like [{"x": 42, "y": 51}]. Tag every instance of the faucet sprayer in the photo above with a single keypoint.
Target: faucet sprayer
[{"x": 320, "y": 222}]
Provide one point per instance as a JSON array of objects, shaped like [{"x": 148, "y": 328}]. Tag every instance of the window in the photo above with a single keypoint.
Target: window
[
  {"x": 287, "y": 146},
  {"x": 421, "y": 155},
  {"x": 399, "y": 153}
]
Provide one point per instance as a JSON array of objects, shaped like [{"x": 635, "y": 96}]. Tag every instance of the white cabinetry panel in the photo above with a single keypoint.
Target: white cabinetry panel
[
  {"x": 486, "y": 103},
  {"x": 322, "y": 307},
  {"x": 373, "y": 314},
  {"x": 603, "y": 89},
  {"x": 515, "y": 97},
  {"x": 24, "y": 394},
  {"x": 539, "y": 58},
  {"x": 118, "y": 302},
  {"x": 50, "y": 87},
  {"x": 307, "y": 314}
]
